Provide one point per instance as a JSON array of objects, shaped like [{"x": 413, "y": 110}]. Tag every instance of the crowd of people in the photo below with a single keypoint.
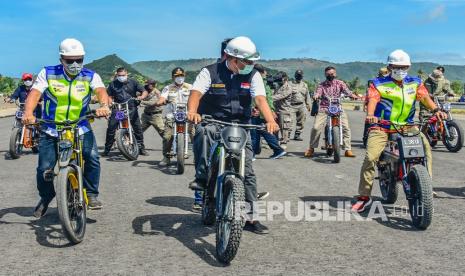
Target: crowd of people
[{"x": 235, "y": 88}]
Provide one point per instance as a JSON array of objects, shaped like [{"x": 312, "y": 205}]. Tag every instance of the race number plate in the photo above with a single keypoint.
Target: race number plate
[{"x": 411, "y": 147}]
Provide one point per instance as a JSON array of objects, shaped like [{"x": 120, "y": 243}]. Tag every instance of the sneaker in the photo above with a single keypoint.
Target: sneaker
[
  {"x": 256, "y": 227},
  {"x": 197, "y": 207},
  {"x": 309, "y": 153},
  {"x": 349, "y": 153},
  {"x": 94, "y": 203},
  {"x": 41, "y": 209},
  {"x": 197, "y": 185},
  {"x": 143, "y": 152},
  {"x": 165, "y": 162},
  {"x": 297, "y": 137},
  {"x": 262, "y": 195},
  {"x": 278, "y": 155},
  {"x": 362, "y": 203}
]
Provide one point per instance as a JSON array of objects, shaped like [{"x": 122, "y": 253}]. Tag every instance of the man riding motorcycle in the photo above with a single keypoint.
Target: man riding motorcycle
[
  {"x": 225, "y": 90},
  {"x": 393, "y": 99},
  {"x": 23, "y": 91},
  {"x": 66, "y": 89}
]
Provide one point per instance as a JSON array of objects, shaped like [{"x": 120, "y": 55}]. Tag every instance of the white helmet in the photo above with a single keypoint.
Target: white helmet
[
  {"x": 399, "y": 57},
  {"x": 71, "y": 47},
  {"x": 242, "y": 47}
]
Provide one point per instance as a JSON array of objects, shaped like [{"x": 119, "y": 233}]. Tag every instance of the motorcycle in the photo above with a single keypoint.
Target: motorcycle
[
  {"x": 448, "y": 131},
  {"x": 224, "y": 194},
  {"x": 125, "y": 138},
  {"x": 22, "y": 136},
  {"x": 180, "y": 145},
  {"x": 404, "y": 160},
  {"x": 333, "y": 129}
]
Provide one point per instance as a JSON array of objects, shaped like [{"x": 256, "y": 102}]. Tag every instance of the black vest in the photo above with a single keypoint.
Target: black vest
[{"x": 228, "y": 97}]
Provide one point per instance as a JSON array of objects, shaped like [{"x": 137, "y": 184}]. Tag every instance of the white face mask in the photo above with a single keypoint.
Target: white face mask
[
  {"x": 179, "y": 80},
  {"x": 122, "y": 78},
  {"x": 399, "y": 74},
  {"x": 28, "y": 83}
]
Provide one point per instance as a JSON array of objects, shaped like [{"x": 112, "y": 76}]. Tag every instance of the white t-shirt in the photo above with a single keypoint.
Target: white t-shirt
[
  {"x": 203, "y": 82},
  {"x": 41, "y": 83}
]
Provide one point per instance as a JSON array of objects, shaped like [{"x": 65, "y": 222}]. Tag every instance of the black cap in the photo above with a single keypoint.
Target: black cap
[{"x": 178, "y": 71}]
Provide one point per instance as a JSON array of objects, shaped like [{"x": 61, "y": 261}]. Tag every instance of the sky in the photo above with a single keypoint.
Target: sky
[{"x": 333, "y": 30}]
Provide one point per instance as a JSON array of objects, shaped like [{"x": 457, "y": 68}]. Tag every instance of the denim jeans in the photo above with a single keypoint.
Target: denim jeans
[
  {"x": 48, "y": 159},
  {"x": 271, "y": 139}
]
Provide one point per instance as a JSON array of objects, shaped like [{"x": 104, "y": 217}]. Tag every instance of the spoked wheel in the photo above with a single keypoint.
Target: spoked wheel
[
  {"x": 128, "y": 150},
  {"x": 421, "y": 204},
  {"x": 455, "y": 141},
  {"x": 336, "y": 144},
  {"x": 180, "y": 153},
  {"x": 15, "y": 148},
  {"x": 71, "y": 212},
  {"x": 388, "y": 184},
  {"x": 231, "y": 222}
]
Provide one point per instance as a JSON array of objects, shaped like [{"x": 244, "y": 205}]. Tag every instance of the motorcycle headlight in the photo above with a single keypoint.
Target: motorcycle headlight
[
  {"x": 446, "y": 107},
  {"x": 119, "y": 115},
  {"x": 180, "y": 117},
  {"x": 333, "y": 109}
]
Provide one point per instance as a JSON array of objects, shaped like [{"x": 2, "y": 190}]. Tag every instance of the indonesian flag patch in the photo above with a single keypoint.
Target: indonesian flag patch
[{"x": 245, "y": 85}]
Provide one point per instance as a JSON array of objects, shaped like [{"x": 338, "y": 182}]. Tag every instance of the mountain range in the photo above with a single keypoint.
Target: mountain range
[{"x": 313, "y": 68}]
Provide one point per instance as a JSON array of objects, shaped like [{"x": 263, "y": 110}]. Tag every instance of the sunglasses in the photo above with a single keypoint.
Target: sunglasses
[
  {"x": 248, "y": 62},
  {"x": 71, "y": 61}
]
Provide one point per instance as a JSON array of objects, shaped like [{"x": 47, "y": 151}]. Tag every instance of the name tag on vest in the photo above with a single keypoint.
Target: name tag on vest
[{"x": 218, "y": 85}]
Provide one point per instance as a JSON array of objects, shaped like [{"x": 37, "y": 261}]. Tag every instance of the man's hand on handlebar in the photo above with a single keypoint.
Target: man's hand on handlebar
[
  {"x": 28, "y": 119},
  {"x": 371, "y": 119},
  {"x": 441, "y": 115},
  {"x": 194, "y": 117},
  {"x": 103, "y": 111}
]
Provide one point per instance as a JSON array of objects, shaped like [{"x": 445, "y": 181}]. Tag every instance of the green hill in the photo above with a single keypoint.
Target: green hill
[
  {"x": 312, "y": 68},
  {"x": 107, "y": 66}
]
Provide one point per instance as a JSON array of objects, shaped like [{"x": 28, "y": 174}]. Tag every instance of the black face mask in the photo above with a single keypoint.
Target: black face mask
[
  {"x": 330, "y": 78},
  {"x": 299, "y": 77}
]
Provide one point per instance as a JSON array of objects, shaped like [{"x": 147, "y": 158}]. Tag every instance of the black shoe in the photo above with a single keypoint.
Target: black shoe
[
  {"x": 256, "y": 227},
  {"x": 297, "y": 137},
  {"x": 197, "y": 185},
  {"x": 143, "y": 152},
  {"x": 105, "y": 154},
  {"x": 263, "y": 195},
  {"x": 41, "y": 209},
  {"x": 94, "y": 203}
]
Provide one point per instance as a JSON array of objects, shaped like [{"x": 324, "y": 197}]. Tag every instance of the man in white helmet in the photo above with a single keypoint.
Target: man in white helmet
[
  {"x": 392, "y": 98},
  {"x": 225, "y": 91},
  {"x": 66, "y": 89}
]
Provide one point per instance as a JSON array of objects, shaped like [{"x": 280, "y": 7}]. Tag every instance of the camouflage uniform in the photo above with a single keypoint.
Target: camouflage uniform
[
  {"x": 152, "y": 115},
  {"x": 437, "y": 85},
  {"x": 282, "y": 103},
  {"x": 300, "y": 105}
]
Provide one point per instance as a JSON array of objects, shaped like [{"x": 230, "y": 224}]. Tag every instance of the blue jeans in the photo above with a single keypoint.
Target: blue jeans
[
  {"x": 271, "y": 139},
  {"x": 48, "y": 159}
]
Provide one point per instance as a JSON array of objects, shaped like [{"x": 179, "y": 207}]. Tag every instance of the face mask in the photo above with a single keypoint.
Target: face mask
[
  {"x": 399, "y": 74},
  {"x": 247, "y": 69},
  {"x": 74, "y": 68},
  {"x": 122, "y": 78},
  {"x": 28, "y": 83},
  {"x": 330, "y": 78},
  {"x": 179, "y": 80}
]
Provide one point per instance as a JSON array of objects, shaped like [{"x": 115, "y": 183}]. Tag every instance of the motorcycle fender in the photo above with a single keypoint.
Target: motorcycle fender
[{"x": 65, "y": 156}]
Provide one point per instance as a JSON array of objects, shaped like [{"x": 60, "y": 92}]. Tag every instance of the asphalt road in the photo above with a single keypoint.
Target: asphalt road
[{"x": 147, "y": 227}]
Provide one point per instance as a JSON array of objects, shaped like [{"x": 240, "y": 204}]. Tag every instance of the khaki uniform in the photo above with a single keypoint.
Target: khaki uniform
[
  {"x": 282, "y": 103},
  {"x": 318, "y": 128},
  {"x": 436, "y": 87},
  {"x": 377, "y": 140},
  {"x": 300, "y": 104},
  {"x": 174, "y": 94}
]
